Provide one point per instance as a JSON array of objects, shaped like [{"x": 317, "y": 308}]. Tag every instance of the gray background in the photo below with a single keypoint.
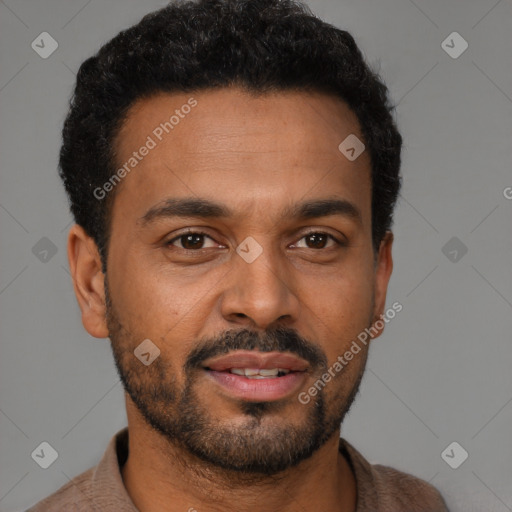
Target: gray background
[{"x": 441, "y": 371}]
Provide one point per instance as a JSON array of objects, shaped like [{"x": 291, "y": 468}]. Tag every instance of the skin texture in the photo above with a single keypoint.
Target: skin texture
[{"x": 257, "y": 156}]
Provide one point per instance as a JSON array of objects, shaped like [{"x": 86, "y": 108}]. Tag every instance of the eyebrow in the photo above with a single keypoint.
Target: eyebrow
[{"x": 204, "y": 208}]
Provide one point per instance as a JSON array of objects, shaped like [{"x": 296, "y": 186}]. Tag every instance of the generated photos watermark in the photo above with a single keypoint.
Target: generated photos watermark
[
  {"x": 342, "y": 360},
  {"x": 157, "y": 135}
]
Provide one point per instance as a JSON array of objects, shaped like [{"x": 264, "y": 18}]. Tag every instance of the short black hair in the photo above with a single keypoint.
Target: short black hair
[{"x": 261, "y": 45}]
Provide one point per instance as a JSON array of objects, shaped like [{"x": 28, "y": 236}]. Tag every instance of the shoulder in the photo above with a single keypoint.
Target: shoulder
[
  {"x": 74, "y": 496},
  {"x": 385, "y": 489},
  {"x": 98, "y": 489},
  {"x": 400, "y": 491}
]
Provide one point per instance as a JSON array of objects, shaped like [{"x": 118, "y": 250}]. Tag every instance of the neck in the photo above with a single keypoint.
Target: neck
[{"x": 158, "y": 476}]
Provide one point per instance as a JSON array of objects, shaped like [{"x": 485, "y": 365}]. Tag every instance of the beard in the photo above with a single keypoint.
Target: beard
[{"x": 264, "y": 443}]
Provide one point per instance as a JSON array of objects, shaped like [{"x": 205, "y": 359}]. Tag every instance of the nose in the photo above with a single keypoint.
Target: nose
[{"x": 260, "y": 294}]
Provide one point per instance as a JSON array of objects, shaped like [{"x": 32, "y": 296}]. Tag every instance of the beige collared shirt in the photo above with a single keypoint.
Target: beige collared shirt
[{"x": 379, "y": 488}]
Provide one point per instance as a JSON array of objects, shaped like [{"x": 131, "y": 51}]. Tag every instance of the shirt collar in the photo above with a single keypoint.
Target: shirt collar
[{"x": 109, "y": 492}]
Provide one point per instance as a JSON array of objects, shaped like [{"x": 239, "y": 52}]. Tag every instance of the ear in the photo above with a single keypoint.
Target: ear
[
  {"x": 88, "y": 281},
  {"x": 383, "y": 269}
]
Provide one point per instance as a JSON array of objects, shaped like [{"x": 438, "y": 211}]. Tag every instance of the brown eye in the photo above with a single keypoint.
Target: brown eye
[
  {"x": 190, "y": 241},
  {"x": 318, "y": 240}
]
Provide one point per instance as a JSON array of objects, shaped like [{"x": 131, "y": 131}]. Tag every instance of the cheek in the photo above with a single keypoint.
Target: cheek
[
  {"x": 166, "y": 307},
  {"x": 343, "y": 311},
  {"x": 346, "y": 292},
  {"x": 143, "y": 304}
]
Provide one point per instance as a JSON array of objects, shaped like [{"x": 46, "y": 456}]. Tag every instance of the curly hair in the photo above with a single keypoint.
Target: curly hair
[{"x": 261, "y": 45}]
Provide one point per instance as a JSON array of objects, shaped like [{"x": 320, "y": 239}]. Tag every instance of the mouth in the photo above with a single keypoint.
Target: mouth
[{"x": 257, "y": 376}]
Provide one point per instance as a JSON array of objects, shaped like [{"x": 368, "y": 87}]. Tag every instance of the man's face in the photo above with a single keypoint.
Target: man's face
[{"x": 260, "y": 286}]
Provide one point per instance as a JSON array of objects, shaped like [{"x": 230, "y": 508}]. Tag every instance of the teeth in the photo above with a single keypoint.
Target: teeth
[
  {"x": 259, "y": 373},
  {"x": 269, "y": 373}
]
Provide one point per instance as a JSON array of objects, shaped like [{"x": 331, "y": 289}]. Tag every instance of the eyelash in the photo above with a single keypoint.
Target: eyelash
[{"x": 169, "y": 243}]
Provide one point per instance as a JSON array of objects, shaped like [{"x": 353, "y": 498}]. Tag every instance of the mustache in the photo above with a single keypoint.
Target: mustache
[{"x": 280, "y": 339}]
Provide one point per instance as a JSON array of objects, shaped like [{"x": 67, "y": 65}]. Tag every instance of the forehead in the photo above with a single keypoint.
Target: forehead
[
  {"x": 316, "y": 120},
  {"x": 231, "y": 145}
]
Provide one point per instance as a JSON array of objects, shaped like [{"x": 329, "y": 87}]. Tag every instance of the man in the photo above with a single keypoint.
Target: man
[{"x": 232, "y": 168}]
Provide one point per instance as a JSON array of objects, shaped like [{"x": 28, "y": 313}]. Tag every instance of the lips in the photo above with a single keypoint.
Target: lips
[
  {"x": 256, "y": 360},
  {"x": 257, "y": 376}
]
